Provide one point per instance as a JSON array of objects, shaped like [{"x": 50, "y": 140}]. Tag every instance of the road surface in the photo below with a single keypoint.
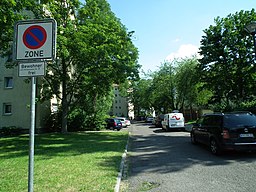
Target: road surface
[{"x": 160, "y": 161}]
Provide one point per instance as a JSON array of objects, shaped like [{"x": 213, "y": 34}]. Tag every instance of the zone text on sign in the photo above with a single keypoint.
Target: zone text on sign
[{"x": 30, "y": 54}]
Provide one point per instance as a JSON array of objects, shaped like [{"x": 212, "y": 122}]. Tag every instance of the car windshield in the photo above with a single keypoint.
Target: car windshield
[{"x": 239, "y": 120}]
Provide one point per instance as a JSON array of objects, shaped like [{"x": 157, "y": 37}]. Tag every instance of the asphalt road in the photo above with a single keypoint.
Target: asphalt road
[{"x": 167, "y": 162}]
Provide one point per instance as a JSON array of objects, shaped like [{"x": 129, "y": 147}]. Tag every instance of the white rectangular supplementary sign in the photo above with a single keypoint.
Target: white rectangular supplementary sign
[{"x": 31, "y": 69}]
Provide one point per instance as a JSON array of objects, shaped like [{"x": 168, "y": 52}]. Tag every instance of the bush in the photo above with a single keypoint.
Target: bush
[
  {"x": 10, "y": 131},
  {"x": 53, "y": 123},
  {"x": 78, "y": 120},
  {"x": 249, "y": 106},
  {"x": 224, "y": 107},
  {"x": 75, "y": 121},
  {"x": 243, "y": 106}
]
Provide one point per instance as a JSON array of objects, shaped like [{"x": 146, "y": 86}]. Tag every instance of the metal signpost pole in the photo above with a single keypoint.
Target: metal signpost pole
[
  {"x": 32, "y": 135},
  {"x": 36, "y": 42}
]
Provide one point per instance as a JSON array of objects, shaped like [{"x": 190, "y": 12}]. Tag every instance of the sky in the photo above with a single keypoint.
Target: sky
[{"x": 165, "y": 29}]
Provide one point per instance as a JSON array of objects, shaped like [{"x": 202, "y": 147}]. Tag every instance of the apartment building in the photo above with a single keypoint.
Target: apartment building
[
  {"x": 122, "y": 106},
  {"x": 15, "y": 98}
]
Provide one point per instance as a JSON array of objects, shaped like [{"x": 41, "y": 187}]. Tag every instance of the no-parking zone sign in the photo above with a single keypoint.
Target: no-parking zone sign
[{"x": 35, "y": 40}]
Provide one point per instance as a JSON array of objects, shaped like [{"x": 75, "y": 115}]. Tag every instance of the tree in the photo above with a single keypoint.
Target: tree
[
  {"x": 140, "y": 96},
  {"x": 59, "y": 80},
  {"x": 185, "y": 83},
  {"x": 163, "y": 88},
  {"x": 94, "y": 50},
  {"x": 10, "y": 12},
  {"x": 227, "y": 67}
]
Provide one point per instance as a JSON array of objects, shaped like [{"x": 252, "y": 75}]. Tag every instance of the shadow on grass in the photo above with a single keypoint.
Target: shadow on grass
[{"x": 51, "y": 145}]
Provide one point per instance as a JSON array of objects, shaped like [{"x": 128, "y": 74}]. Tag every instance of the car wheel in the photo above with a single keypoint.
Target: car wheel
[
  {"x": 192, "y": 138},
  {"x": 214, "y": 147}
]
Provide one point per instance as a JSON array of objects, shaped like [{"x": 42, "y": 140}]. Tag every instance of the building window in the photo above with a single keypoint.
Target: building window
[
  {"x": 119, "y": 107},
  {"x": 8, "y": 82},
  {"x": 7, "y": 109}
]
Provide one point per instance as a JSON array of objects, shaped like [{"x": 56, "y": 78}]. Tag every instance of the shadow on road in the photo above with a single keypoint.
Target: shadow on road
[{"x": 157, "y": 151}]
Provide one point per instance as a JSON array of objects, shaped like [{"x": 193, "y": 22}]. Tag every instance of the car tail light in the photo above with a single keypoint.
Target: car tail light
[
  {"x": 115, "y": 124},
  {"x": 225, "y": 134}
]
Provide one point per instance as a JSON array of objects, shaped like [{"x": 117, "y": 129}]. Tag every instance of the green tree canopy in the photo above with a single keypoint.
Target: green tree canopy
[
  {"x": 94, "y": 50},
  {"x": 174, "y": 86},
  {"x": 163, "y": 87},
  {"x": 185, "y": 83},
  {"x": 10, "y": 12},
  {"x": 227, "y": 67}
]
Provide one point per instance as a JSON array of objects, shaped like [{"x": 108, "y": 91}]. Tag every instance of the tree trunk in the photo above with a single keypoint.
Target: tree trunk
[
  {"x": 191, "y": 112},
  {"x": 64, "y": 127},
  {"x": 94, "y": 110},
  {"x": 64, "y": 115}
]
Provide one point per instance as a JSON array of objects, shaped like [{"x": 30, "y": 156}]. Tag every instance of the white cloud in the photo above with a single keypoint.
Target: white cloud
[
  {"x": 176, "y": 40},
  {"x": 184, "y": 51}
]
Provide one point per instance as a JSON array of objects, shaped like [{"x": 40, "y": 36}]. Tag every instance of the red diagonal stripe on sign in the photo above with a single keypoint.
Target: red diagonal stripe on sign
[{"x": 35, "y": 37}]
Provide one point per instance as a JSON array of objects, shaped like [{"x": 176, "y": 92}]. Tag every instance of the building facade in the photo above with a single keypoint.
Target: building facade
[
  {"x": 15, "y": 99},
  {"x": 122, "y": 106}
]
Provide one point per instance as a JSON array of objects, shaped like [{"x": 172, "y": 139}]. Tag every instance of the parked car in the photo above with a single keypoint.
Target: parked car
[
  {"x": 226, "y": 131},
  {"x": 188, "y": 127},
  {"x": 149, "y": 119},
  {"x": 113, "y": 123},
  {"x": 173, "y": 121},
  {"x": 125, "y": 122},
  {"x": 158, "y": 120},
  {"x": 122, "y": 119}
]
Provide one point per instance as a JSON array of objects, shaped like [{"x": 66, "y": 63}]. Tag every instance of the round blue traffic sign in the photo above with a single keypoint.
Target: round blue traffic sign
[{"x": 34, "y": 37}]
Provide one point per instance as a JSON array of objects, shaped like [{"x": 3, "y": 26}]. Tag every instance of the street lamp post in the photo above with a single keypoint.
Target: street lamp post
[{"x": 251, "y": 29}]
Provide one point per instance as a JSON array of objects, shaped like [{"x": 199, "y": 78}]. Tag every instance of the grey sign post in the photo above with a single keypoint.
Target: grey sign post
[{"x": 34, "y": 42}]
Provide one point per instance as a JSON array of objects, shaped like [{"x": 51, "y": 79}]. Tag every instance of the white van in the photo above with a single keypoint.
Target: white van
[{"x": 173, "y": 121}]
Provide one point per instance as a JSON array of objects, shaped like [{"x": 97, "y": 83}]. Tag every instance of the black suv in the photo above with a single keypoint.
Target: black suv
[
  {"x": 226, "y": 131},
  {"x": 113, "y": 123}
]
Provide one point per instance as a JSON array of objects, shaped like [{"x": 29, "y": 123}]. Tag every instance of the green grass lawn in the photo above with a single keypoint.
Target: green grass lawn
[{"x": 85, "y": 161}]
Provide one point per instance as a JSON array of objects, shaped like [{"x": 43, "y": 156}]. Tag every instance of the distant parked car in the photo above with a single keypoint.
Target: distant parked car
[
  {"x": 158, "y": 120},
  {"x": 154, "y": 121},
  {"x": 173, "y": 121},
  {"x": 122, "y": 119},
  {"x": 188, "y": 127},
  {"x": 114, "y": 123},
  {"x": 226, "y": 131},
  {"x": 127, "y": 122},
  {"x": 149, "y": 119}
]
